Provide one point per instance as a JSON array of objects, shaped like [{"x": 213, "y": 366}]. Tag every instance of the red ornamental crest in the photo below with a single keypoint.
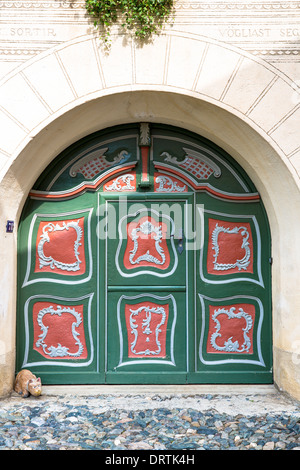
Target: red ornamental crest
[
  {"x": 146, "y": 325},
  {"x": 146, "y": 244}
]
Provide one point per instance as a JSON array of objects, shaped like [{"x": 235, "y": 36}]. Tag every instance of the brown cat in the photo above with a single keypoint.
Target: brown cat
[{"x": 26, "y": 383}]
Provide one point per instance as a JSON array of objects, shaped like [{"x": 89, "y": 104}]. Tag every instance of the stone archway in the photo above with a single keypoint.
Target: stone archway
[{"x": 213, "y": 99}]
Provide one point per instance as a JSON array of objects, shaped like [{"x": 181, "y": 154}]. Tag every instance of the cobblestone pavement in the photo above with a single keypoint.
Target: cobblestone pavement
[{"x": 263, "y": 420}]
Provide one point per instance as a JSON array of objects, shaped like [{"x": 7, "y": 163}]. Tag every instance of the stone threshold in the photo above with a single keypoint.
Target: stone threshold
[{"x": 190, "y": 390}]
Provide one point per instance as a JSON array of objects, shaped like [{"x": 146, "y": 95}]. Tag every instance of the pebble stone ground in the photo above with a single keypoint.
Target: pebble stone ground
[{"x": 158, "y": 418}]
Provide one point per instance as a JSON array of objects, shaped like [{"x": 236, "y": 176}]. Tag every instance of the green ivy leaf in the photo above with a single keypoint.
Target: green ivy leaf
[{"x": 146, "y": 17}]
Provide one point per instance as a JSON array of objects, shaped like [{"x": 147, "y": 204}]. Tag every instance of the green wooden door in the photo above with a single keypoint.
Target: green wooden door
[
  {"x": 144, "y": 257},
  {"x": 147, "y": 292}
]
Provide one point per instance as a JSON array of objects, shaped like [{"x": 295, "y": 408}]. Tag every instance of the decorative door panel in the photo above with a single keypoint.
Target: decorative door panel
[
  {"x": 59, "y": 248},
  {"x": 146, "y": 336},
  {"x": 147, "y": 243},
  {"x": 58, "y": 331},
  {"x": 144, "y": 256},
  {"x": 231, "y": 332}
]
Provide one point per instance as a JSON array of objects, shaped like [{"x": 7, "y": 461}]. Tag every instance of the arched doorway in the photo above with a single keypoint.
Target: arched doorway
[{"x": 144, "y": 257}]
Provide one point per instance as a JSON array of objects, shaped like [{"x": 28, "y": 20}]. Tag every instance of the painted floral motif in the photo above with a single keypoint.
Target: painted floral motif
[
  {"x": 146, "y": 325},
  {"x": 230, "y": 247},
  {"x": 231, "y": 329},
  {"x": 60, "y": 247},
  {"x": 59, "y": 331}
]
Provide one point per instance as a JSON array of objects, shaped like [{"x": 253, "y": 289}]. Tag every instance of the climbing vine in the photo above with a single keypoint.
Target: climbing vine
[{"x": 143, "y": 17}]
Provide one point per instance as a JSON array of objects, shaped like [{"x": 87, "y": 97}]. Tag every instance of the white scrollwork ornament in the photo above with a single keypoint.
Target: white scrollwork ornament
[
  {"x": 167, "y": 185},
  {"x": 146, "y": 328},
  {"x": 240, "y": 263},
  {"x": 147, "y": 228},
  {"x": 45, "y": 238},
  {"x": 229, "y": 345},
  {"x": 59, "y": 350},
  {"x": 118, "y": 186}
]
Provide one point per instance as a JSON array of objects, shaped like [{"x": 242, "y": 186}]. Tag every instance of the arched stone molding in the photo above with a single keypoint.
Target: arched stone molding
[
  {"x": 80, "y": 70},
  {"x": 240, "y": 102}
]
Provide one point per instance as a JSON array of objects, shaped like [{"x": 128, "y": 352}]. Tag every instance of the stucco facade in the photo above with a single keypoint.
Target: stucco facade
[{"x": 224, "y": 70}]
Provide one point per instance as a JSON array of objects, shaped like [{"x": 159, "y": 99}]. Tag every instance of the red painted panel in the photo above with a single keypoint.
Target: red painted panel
[
  {"x": 146, "y": 244},
  {"x": 146, "y": 325},
  {"x": 231, "y": 329},
  {"x": 230, "y": 247},
  {"x": 60, "y": 247},
  {"x": 59, "y": 331}
]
